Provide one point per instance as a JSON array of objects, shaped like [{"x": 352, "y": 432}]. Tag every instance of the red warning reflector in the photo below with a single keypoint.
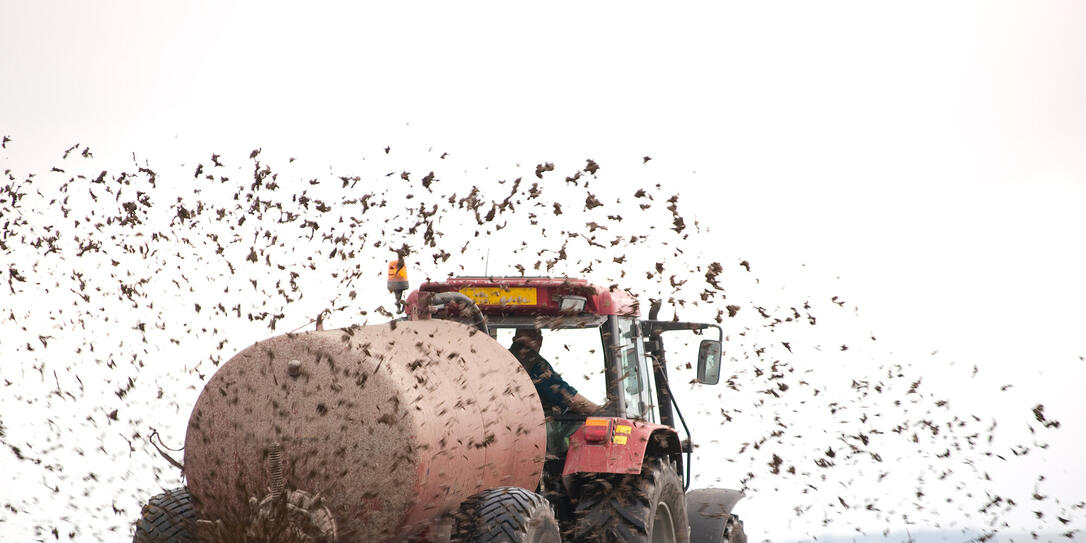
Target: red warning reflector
[{"x": 597, "y": 430}]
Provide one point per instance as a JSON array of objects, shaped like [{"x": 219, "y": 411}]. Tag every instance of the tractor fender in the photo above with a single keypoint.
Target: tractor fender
[
  {"x": 623, "y": 447},
  {"x": 708, "y": 511}
]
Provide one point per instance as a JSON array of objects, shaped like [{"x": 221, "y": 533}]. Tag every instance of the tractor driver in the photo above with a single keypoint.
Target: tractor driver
[{"x": 554, "y": 391}]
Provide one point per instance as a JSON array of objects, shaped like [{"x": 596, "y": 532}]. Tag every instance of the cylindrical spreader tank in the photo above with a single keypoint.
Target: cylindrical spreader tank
[{"x": 392, "y": 424}]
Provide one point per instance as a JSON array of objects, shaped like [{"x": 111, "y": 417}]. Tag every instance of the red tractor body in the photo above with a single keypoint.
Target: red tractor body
[{"x": 614, "y": 445}]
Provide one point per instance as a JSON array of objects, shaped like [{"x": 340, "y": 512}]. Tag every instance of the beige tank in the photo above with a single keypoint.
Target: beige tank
[{"x": 393, "y": 425}]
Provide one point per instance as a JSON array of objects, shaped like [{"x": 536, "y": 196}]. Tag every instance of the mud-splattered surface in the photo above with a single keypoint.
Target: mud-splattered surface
[
  {"x": 881, "y": 204},
  {"x": 126, "y": 288},
  {"x": 392, "y": 425}
]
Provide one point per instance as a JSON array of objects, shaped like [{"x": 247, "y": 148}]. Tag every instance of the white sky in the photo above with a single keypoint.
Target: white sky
[{"x": 930, "y": 155}]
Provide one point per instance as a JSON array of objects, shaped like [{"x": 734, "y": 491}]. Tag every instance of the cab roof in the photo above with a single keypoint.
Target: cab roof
[{"x": 536, "y": 296}]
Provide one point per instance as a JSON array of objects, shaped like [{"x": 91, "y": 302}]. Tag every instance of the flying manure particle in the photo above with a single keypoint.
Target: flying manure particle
[{"x": 129, "y": 288}]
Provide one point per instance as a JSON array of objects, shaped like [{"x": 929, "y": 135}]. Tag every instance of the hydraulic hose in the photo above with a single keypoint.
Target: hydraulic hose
[{"x": 477, "y": 318}]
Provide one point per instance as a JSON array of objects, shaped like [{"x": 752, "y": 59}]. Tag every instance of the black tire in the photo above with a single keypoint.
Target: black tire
[
  {"x": 645, "y": 508},
  {"x": 733, "y": 531},
  {"x": 167, "y": 518},
  {"x": 506, "y": 515}
]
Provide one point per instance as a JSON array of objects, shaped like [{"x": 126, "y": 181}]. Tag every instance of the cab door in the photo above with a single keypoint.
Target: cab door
[{"x": 634, "y": 373}]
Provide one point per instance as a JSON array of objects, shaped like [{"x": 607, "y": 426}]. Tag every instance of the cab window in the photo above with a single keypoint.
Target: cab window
[
  {"x": 635, "y": 379},
  {"x": 575, "y": 354}
]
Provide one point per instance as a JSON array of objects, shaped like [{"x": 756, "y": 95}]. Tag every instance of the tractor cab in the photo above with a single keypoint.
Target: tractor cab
[
  {"x": 589, "y": 333},
  {"x": 595, "y": 339}
]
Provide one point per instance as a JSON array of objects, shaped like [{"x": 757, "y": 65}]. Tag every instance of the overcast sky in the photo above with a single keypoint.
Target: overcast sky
[{"x": 925, "y": 160}]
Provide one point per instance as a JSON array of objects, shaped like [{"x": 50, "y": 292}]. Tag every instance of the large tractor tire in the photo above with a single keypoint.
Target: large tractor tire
[
  {"x": 645, "y": 508},
  {"x": 733, "y": 532},
  {"x": 506, "y": 515},
  {"x": 167, "y": 518}
]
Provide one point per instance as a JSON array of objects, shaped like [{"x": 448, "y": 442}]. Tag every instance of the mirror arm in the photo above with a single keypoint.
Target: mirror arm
[
  {"x": 719, "y": 332},
  {"x": 655, "y": 327},
  {"x": 689, "y": 438}
]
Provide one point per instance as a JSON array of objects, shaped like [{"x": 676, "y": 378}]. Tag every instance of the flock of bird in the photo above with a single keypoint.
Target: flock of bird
[{"x": 126, "y": 286}]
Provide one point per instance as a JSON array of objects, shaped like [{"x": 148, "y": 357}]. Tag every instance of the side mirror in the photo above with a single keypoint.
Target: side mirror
[{"x": 709, "y": 355}]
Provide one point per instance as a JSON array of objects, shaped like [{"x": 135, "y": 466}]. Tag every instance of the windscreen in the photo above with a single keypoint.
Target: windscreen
[{"x": 574, "y": 353}]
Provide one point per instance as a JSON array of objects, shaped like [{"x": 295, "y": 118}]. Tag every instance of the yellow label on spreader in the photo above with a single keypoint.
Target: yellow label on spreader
[
  {"x": 622, "y": 429},
  {"x": 619, "y": 440},
  {"x": 500, "y": 296}
]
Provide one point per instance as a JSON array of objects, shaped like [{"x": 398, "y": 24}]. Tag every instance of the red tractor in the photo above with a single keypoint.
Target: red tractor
[{"x": 428, "y": 429}]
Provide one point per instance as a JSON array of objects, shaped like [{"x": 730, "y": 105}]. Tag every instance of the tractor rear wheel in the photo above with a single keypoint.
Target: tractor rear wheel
[
  {"x": 645, "y": 508},
  {"x": 506, "y": 515},
  {"x": 167, "y": 518}
]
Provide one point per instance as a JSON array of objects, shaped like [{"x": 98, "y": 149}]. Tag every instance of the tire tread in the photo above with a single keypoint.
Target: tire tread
[
  {"x": 619, "y": 508},
  {"x": 167, "y": 518},
  {"x": 502, "y": 515}
]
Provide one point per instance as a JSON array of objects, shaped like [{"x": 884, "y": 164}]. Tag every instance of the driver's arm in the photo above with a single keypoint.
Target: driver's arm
[
  {"x": 582, "y": 405},
  {"x": 551, "y": 386}
]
